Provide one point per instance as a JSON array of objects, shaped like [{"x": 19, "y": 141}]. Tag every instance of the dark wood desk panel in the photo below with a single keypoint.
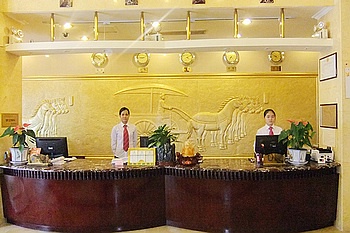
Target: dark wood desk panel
[
  {"x": 91, "y": 204},
  {"x": 217, "y": 196},
  {"x": 215, "y": 205}
]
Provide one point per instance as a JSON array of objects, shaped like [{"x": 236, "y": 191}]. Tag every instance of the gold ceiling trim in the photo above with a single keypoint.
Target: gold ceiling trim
[{"x": 169, "y": 76}]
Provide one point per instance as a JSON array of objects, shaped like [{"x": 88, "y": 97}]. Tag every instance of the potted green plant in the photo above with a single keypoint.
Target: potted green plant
[
  {"x": 161, "y": 138},
  {"x": 19, "y": 149},
  {"x": 297, "y": 137}
]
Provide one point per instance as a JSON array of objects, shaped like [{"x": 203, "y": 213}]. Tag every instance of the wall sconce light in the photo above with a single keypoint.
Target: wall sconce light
[
  {"x": 16, "y": 36},
  {"x": 320, "y": 30}
]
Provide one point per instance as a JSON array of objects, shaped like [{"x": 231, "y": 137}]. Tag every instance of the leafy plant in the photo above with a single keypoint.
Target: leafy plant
[
  {"x": 299, "y": 134},
  {"x": 161, "y": 136},
  {"x": 18, "y": 135}
]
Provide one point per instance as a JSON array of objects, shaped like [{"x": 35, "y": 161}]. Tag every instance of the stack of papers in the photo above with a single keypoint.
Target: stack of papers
[{"x": 58, "y": 160}]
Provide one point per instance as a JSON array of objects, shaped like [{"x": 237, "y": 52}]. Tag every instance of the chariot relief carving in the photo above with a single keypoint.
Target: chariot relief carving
[
  {"x": 226, "y": 126},
  {"x": 215, "y": 129}
]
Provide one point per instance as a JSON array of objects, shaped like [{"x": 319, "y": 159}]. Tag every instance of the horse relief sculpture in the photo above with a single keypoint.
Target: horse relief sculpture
[
  {"x": 226, "y": 126},
  {"x": 44, "y": 119}
]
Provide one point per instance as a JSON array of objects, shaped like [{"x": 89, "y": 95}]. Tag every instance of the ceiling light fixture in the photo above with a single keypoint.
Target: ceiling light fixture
[
  {"x": 67, "y": 26},
  {"x": 156, "y": 26},
  {"x": 246, "y": 21},
  {"x": 84, "y": 38}
]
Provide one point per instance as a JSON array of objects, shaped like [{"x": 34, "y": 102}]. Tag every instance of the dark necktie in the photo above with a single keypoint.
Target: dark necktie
[
  {"x": 270, "y": 130},
  {"x": 125, "y": 138}
]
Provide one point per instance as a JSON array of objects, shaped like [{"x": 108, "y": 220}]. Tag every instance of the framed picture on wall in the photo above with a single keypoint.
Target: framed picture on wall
[
  {"x": 328, "y": 67},
  {"x": 198, "y": 1},
  {"x": 329, "y": 116},
  {"x": 131, "y": 2},
  {"x": 66, "y": 3}
]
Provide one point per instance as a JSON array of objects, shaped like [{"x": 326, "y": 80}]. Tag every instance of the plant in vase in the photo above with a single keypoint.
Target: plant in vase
[
  {"x": 297, "y": 137},
  {"x": 161, "y": 138},
  {"x": 19, "y": 135}
]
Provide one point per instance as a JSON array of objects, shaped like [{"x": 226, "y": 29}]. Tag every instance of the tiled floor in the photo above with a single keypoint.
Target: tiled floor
[{"x": 7, "y": 228}]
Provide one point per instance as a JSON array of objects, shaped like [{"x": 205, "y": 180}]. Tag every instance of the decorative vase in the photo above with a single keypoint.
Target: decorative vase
[
  {"x": 166, "y": 154},
  {"x": 19, "y": 157},
  {"x": 297, "y": 155}
]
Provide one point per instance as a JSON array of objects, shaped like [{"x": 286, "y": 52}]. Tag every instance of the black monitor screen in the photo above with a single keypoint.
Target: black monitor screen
[
  {"x": 268, "y": 144},
  {"x": 53, "y": 146}
]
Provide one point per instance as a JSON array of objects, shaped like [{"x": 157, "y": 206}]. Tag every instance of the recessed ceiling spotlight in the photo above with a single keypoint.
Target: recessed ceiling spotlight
[
  {"x": 156, "y": 26},
  {"x": 246, "y": 21},
  {"x": 67, "y": 25},
  {"x": 84, "y": 38}
]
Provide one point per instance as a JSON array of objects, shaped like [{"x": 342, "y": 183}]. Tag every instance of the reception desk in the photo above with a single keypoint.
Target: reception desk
[{"x": 227, "y": 195}]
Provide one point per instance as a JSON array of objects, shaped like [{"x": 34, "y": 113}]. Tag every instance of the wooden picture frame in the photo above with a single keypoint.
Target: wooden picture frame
[
  {"x": 328, "y": 67},
  {"x": 142, "y": 156},
  {"x": 329, "y": 115}
]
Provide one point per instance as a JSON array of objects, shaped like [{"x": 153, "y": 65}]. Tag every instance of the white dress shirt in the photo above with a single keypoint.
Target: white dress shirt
[
  {"x": 266, "y": 129},
  {"x": 117, "y": 140}
]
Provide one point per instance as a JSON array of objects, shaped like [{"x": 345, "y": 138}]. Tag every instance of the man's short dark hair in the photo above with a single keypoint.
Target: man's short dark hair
[{"x": 123, "y": 109}]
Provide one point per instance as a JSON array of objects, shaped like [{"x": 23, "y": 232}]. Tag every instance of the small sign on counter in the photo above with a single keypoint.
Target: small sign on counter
[{"x": 142, "y": 156}]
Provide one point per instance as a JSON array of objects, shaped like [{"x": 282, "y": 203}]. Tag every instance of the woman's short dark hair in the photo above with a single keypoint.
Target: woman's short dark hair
[
  {"x": 269, "y": 110},
  {"x": 123, "y": 109}
]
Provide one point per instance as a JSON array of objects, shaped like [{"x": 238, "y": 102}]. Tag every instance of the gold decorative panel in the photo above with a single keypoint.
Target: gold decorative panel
[{"x": 191, "y": 104}]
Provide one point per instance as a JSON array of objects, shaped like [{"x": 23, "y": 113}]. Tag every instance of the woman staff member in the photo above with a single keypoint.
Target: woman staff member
[
  {"x": 270, "y": 128},
  {"x": 123, "y": 136},
  {"x": 264, "y": 153}
]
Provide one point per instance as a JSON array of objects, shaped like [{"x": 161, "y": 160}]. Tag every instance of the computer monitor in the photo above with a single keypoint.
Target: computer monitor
[
  {"x": 268, "y": 144},
  {"x": 53, "y": 146}
]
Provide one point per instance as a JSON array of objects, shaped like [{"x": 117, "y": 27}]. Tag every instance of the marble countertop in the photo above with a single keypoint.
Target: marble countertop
[{"x": 234, "y": 165}]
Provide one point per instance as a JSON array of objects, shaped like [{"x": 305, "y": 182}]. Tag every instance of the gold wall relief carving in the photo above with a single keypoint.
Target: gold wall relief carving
[
  {"x": 44, "y": 118},
  {"x": 224, "y": 127},
  {"x": 182, "y": 102}
]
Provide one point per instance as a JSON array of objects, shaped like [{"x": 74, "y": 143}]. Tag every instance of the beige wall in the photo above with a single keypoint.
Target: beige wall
[
  {"x": 10, "y": 79},
  {"x": 206, "y": 63},
  {"x": 333, "y": 91},
  {"x": 345, "y": 114}
]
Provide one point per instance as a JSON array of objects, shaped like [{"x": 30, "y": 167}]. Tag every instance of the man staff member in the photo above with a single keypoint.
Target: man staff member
[{"x": 123, "y": 136}]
